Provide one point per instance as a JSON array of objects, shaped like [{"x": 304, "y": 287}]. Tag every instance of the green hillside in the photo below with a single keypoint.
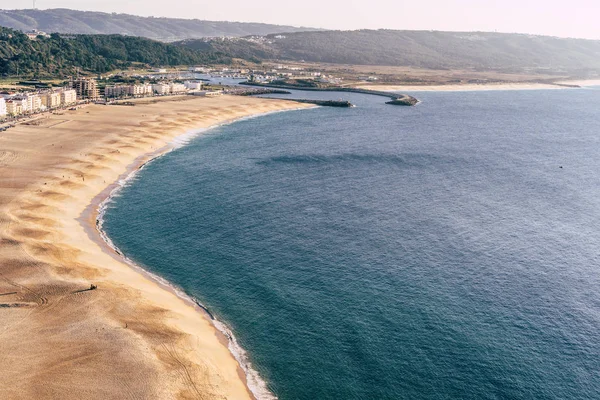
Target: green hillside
[
  {"x": 423, "y": 49},
  {"x": 60, "y": 56}
]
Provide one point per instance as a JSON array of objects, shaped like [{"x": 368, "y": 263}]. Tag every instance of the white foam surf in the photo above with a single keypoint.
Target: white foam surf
[{"x": 255, "y": 383}]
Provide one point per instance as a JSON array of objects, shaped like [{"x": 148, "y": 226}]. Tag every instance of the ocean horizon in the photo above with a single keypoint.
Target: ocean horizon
[{"x": 441, "y": 251}]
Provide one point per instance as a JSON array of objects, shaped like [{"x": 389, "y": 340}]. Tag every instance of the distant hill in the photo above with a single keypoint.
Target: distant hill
[
  {"x": 164, "y": 29},
  {"x": 59, "y": 56},
  {"x": 423, "y": 49}
]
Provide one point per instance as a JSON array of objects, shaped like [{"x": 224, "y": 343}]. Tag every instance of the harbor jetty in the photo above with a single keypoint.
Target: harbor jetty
[
  {"x": 396, "y": 99},
  {"x": 404, "y": 100},
  {"x": 323, "y": 103},
  {"x": 253, "y": 91}
]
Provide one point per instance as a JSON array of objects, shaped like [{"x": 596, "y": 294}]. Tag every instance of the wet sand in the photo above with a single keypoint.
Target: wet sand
[{"x": 131, "y": 337}]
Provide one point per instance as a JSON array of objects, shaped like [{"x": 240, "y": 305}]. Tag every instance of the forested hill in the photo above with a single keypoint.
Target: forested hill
[
  {"x": 58, "y": 56},
  {"x": 163, "y": 29},
  {"x": 424, "y": 49}
]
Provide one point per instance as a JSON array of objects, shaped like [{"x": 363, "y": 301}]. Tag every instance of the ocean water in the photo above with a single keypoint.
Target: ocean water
[{"x": 445, "y": 251}]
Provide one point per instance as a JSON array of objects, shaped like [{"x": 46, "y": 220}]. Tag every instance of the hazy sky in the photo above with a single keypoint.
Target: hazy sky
[{"x": 570, "y": 18}]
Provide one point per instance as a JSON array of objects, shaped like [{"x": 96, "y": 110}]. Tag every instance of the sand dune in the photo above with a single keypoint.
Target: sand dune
[{"x": 130, "y": 338}]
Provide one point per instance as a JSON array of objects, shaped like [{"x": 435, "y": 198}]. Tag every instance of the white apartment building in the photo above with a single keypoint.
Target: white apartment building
[
  {"x": 34, "y": 102},
  {"x": 2, "y": 107},
  {"x": 128, "y": 90},
  {"x": 136, "y": 90},
  {"x": 114, "y": 91},
  {"x": 19, "y": 104},
  {"x": 22, "y": 103},
  {"x": 68, "y": 96},
  {"x": 141, "y": 90},
  {"x": 161, "y": 88},
  {"x": 16, "y": 106},
  {"x": 177, "y": 88},
  {"x": 51, "y": 99}
]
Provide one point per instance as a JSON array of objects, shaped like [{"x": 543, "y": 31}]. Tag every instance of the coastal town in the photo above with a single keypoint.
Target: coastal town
[
  {"x": 16, "y": 104},
  {"x": 21, "y": 101}
]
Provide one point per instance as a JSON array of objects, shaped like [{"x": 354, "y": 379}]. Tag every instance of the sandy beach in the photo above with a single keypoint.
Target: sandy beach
[
  {"x": 584, "y": 83},
  {"x": 476, "y": 87},
  {"x": 130, "y": 337}
]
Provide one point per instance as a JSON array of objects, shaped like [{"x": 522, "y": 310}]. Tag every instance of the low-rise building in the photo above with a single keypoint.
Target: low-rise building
[
  {"x": 34, "y": 33},
  {"x": 193, "y": 85},
  {"x": 206, "y": 93},
  {"x": 198, "y": 69},
  {"x": 2, "y": 107}
]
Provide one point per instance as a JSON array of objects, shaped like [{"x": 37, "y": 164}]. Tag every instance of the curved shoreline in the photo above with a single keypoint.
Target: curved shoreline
[
  {"x": 96, "y": 210},
  {"x": 132, "y": 335}
]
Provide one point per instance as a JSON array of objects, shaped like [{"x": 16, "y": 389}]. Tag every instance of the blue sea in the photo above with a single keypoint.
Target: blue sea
[{"x": 445, "y": 251}]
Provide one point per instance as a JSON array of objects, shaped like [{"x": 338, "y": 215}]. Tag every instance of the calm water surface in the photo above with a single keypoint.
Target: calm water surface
[{"x": 380, "y": 252}]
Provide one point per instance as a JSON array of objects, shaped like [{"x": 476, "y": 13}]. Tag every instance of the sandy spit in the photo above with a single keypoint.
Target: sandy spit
[
  {"x": 131, "y": 337},
  {"x": 478, "y": 87},
  {"x": 583, "y": 83}
]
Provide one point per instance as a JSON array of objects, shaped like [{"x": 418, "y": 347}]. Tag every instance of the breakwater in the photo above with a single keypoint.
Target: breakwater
[
  {"x": 324, "y": 103},
  {"x": 404, "y": 100},
  {"x": 396, "y": 99},
  {"x": 255, "y": 91}
]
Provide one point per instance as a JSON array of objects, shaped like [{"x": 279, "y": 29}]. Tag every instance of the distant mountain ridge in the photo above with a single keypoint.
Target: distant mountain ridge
[
  {"x": 421, "y": 49},
  {"x": 62, "y": 20}
]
